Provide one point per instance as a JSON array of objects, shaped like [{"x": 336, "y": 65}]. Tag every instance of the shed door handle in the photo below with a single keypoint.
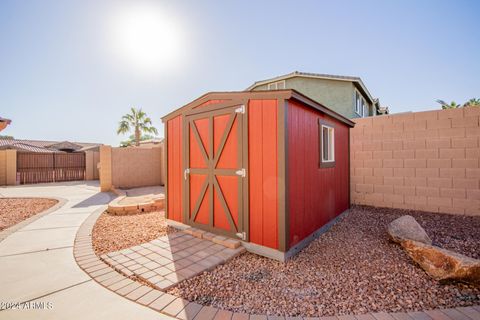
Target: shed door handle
[{"x": 241, "y": 173}]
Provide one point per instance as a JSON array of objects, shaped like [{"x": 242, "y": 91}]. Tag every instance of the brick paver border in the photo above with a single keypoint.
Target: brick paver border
[{"x": 183, "y": 309}]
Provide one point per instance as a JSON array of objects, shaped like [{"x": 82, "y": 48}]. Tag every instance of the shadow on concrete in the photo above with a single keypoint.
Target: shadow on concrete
[{"x": 97, "y": 199}]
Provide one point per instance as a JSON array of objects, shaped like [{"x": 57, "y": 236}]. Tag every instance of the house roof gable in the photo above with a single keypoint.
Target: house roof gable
[
  {"x": 356, "y": 80},
  {"x": 64, "y": 145}
]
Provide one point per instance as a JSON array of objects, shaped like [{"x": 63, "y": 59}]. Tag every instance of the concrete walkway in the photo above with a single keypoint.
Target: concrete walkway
[{"x": 37, "y": 263}]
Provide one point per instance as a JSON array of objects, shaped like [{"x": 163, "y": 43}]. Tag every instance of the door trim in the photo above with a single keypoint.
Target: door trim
[{"x": 243, "y": 206}]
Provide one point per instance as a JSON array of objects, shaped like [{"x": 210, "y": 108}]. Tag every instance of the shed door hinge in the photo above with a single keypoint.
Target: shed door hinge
[
  {"x": 242, "y": 235},
  {"x": 241, "y": 109},
  {"x": 241, "y": 173},
  {"x": 185, "y": 172}
]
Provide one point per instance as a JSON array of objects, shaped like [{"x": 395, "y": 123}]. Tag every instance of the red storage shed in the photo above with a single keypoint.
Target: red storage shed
[{"x": 269, "y": 167}]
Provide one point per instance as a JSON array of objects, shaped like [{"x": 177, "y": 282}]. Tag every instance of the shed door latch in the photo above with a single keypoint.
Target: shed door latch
[
  {"x": 185, "y": 172},
  {"x": 241, "y": 109},
  {"x": 241, "y": 173},
  {"x": 242, "y": 235}
]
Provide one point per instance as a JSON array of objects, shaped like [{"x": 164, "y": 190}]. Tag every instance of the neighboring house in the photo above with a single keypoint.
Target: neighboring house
[
  {"x": 4, "y": 123},
  {"x": 346, "y": 95},
  {"x": 46, "y": 146}
]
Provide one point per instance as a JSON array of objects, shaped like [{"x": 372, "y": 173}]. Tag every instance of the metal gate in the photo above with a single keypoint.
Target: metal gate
[{"x": 36, "y": 167}]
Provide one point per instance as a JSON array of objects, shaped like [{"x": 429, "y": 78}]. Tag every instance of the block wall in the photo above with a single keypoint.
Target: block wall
[
  {"x": 130, "y": 167},
  {"x": 92, "y": 159},
  {"x": 425, "y": 161},
  {"x": 3, "y": 167},
  {"x": 105, "y": 168},
  {"x": 136, "y": 167},
  {"x": 8, "y": 167},
  {"x": 11, "y": 167}
]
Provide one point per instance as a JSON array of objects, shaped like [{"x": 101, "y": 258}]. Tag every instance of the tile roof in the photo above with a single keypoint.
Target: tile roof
[
  {"x": 39, "y": 145},
  {"x": 25, "y": 147}
]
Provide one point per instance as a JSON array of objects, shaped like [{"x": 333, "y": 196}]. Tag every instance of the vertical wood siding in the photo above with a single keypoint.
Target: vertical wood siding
[
  {"x": 315, "y": 195},
  {"x": 175, "y": 174},
  {"x": 263, "y": 173}
]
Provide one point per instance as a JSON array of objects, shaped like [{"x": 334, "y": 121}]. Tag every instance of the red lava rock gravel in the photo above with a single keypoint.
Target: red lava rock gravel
[
  {"x": 117, "y": 232},
  {"x": 352, "y": 269},
  {"x": 15, "y": 210}
]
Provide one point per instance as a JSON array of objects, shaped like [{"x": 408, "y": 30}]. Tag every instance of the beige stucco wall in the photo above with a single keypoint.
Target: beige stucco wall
[
  {"x": 425, "y": 161},
  {"x": 149, "y": 145},
  {"x": 105, "y": 169},
  {"x": 3, "y": 167},
  {"x": 334, "y": 94},
  {"x": 136, "y": 167},
  {"x": 130, "y": 167},
  {"x": 163, "y": 169},
  {"x": 92, "y": 159},
  {"x": 8, "y": 167}
]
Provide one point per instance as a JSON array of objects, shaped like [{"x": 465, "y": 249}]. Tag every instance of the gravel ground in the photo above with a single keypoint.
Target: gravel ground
[
  {"x": 117, "y": 232},
  {"x": 15, "y": 210},
  {"x": 352, "y": 269}
]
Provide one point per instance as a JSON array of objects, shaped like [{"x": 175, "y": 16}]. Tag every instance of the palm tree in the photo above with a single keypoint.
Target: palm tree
[
  {"x": 472, "y": 103},
  {"x": 138, "y": 120},
  {"x": 452, "y": 105}
]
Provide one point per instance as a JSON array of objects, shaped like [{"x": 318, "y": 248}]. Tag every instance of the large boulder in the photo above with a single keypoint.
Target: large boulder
[
  {"x": 443, "y": 264},
  {"x": 407, "y": 228}
]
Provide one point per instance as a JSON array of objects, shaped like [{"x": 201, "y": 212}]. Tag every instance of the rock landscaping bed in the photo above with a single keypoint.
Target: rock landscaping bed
[
  {"x": 352, "y": 269},
  {"x": 15, "y": 210},
  {"x": 440, "y": 263},
  {"x": 115, "y": 232}
]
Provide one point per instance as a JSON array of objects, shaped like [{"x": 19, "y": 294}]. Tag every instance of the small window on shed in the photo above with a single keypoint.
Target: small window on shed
[{"x": 327, "y": 145}]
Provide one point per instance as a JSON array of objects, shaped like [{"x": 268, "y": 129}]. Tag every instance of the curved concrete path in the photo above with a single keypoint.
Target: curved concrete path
[{"x": 37, "y": 263}]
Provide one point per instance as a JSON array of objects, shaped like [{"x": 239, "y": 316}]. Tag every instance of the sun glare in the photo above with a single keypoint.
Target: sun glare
[{"x": 145, "y": 37}]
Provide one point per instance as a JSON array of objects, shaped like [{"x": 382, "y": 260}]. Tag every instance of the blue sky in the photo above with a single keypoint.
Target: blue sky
[{"x": 62, "y": 77}]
